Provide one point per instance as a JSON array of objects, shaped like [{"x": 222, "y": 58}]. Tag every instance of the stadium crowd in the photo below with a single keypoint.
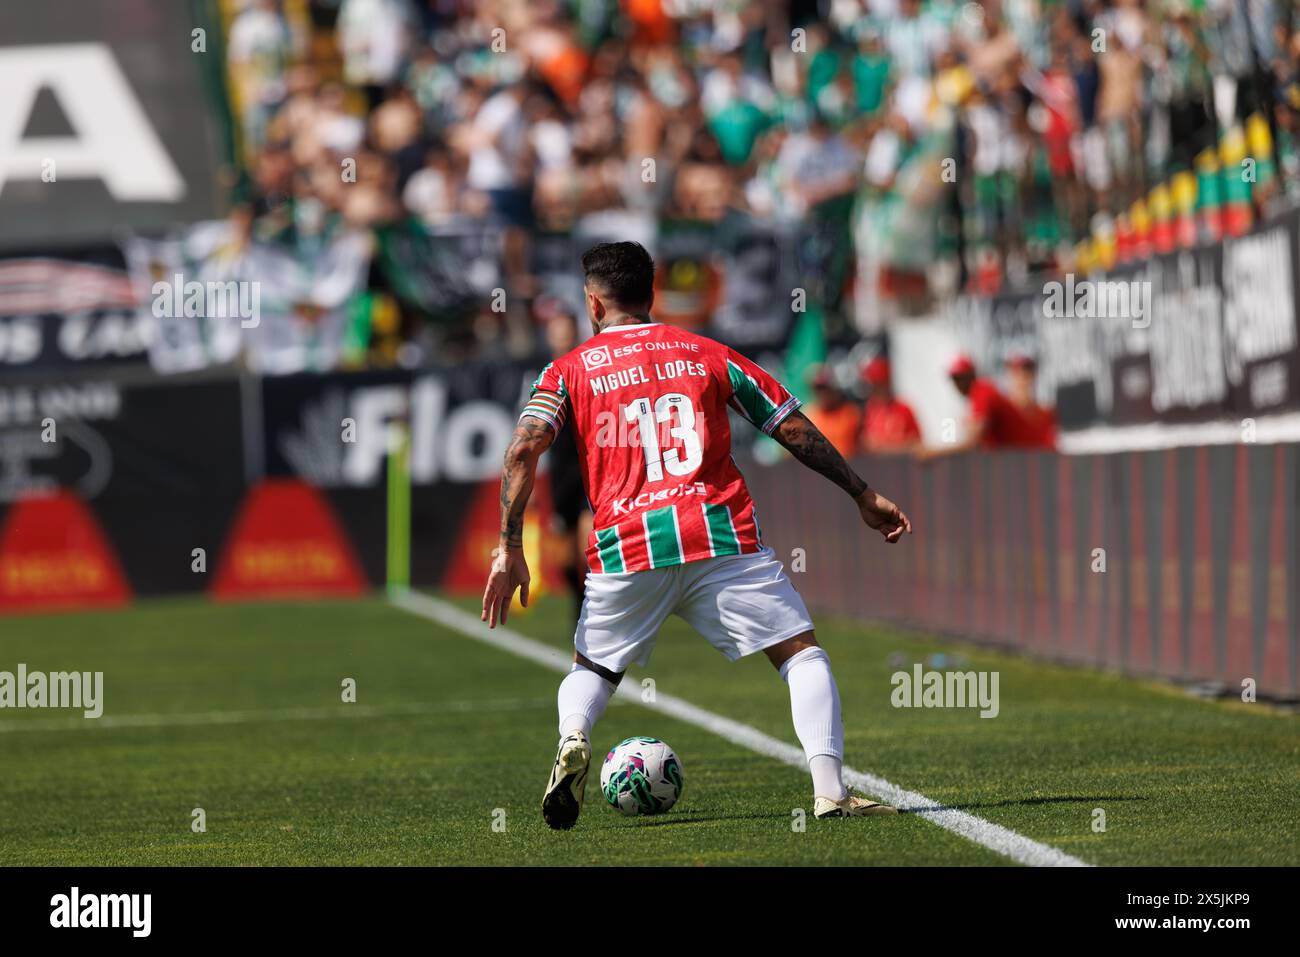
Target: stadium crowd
[{"x": 977, "y": 141}]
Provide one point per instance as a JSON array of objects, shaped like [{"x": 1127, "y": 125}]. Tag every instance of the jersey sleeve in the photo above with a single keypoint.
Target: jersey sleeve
[
  {"x": 549, "y": 400},
  {"x": 756, "y": 395}
]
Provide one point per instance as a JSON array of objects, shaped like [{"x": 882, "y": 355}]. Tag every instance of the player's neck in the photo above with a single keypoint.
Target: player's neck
[{"x": 625, "y": 319}]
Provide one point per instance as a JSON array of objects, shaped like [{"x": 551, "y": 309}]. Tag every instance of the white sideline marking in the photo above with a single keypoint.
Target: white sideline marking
[
  {"x": 995, "y": 837},
  {"x": 341, "y": 710}
]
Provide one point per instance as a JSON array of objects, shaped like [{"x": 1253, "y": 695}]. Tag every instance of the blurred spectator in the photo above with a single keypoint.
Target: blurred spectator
[
  {"x": 993, "y": 421},
  {"x": 259, "y": 50},
  {"x": 1022, "y": 391},
  {"x": 373, "y": 39},
  {"x": 431, "y": 192},
  {"x": 889, "y": 426},
  {"x": 832, "y": 412}
]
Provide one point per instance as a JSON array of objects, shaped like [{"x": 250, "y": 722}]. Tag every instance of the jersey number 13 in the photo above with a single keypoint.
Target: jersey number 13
[{"x": 649, "y": 417}]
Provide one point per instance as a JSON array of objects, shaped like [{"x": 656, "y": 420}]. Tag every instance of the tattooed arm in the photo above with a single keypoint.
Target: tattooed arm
[
  {"x": 806, "y": 443},
  {"x": 532, "y": 437},
  {"x": 509, "y": 568}
]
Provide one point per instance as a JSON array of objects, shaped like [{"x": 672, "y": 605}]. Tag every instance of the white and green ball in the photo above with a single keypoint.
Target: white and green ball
[{"x": 641, "y": 776}]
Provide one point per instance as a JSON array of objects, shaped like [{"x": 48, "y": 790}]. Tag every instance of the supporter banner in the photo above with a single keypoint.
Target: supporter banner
[
  {"x": 1199, "y": 334},
  {"x": 759, "y": 273},
  {"x": 444, "y": 275},
  {"x": 215, "y": 296},
  {"x": 59, "y": 314}
]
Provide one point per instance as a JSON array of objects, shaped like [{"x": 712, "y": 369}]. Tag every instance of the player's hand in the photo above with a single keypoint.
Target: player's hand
[
  {"x": 883, "y": 515},
  {"x": 509, "y": 571}
]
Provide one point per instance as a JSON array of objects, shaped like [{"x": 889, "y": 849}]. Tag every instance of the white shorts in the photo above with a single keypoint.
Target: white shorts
[{"x": 740, "y": 603}]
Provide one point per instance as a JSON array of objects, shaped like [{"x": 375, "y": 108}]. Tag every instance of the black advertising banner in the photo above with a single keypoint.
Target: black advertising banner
[
  {"x": 1119, "y": 314},
  {"x": 1182, "y": 340},
  {"x": 103, "y": 439},
  {"x": 335, "y": 430},
  {"x": 160, "y": 464},
  {"x": 1190, "y": 336},
  {"x": 1261, "y": 290}
]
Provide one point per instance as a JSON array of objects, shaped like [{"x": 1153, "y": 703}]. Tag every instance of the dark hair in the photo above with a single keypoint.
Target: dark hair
[{"x": 623, "y": 271}]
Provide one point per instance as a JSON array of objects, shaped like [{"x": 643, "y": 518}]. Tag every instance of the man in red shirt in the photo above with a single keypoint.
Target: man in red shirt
[
  {"x": 674, "y": 529},
  {"x": 889, "y": 425},
  {"x": 993, "y": 421},
  {"x": 1022, "y": 376}
]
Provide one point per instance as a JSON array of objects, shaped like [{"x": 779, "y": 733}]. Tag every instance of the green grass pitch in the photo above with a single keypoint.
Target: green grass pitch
[{"x": 237, "y": 710}]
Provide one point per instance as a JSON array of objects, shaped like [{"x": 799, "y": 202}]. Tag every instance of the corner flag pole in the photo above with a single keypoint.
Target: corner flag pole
[{"x": 399, "y": 510}]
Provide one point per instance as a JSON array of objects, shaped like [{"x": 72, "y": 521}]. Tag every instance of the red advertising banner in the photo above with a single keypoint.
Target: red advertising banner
[
  {"x": 286, "y": 542},
  {"x": 54, "y": 555}
]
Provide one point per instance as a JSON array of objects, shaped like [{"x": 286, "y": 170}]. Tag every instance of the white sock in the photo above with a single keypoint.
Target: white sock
[
  {"x": 815, "y": 707},
  {"x": 582, "y": 698}
]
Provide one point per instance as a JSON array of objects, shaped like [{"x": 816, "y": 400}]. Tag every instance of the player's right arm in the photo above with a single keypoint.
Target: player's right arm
[
  {"x": 806, "y": 443},
  {"x": 542, "y": 418},
  {"x": 509, "y": 569}
]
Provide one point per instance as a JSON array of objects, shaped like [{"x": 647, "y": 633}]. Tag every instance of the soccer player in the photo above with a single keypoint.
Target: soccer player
[{"x": 675, "y": 529}]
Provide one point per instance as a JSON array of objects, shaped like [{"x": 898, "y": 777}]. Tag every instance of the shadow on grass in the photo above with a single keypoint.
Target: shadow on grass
[
  {"x": 1024, "y": 802},
  {"x": 675, "y": 818},
  {"x": 671, "y": 818}
]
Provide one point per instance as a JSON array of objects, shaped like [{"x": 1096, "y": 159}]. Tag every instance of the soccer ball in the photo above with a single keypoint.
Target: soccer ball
[{"x": 641, "y": 776}]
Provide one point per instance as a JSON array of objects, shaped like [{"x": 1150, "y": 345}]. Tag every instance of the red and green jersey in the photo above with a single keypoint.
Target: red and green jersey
[{"x": 648, "y": 406}]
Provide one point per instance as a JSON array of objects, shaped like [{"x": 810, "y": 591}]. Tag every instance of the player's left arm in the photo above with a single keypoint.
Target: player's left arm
[
  {"x": 533, "y": 435},
  {"x": 770, "y": 406},
  {"x": 806, "y": 443}
]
